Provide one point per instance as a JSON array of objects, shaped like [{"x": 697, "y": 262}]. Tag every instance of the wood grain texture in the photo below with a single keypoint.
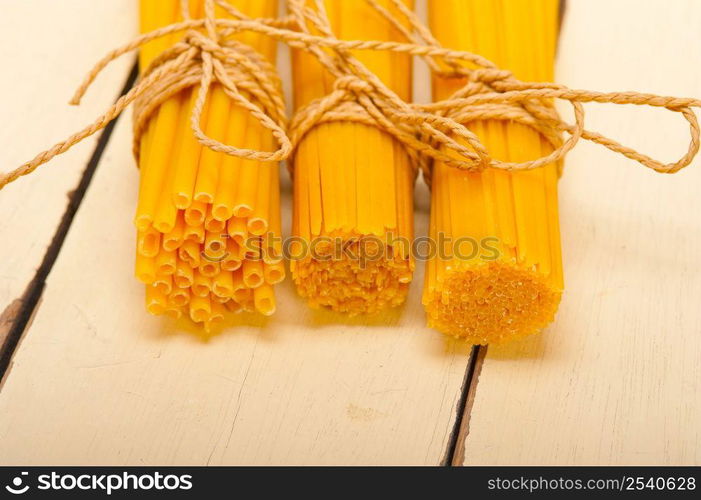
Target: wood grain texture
[
  {"x": 97, "y": 380},
  {"x": 616, "y": 379},
  {"x": 46, "y": 48}
]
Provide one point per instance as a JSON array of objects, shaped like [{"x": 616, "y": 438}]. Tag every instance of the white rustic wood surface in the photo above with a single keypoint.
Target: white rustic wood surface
[
  {"x": 617, "y": 378},
  {"x": 46, "y": 49},
  {"x": 97, "y": 380}
]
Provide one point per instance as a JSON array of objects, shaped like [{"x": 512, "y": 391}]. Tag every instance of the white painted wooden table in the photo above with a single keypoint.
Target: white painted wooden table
[{"x": 95, "y": 380}]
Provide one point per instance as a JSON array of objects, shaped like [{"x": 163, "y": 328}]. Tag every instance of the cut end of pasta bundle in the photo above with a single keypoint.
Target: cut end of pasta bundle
[
  {"x": 349, "y": 284},
  {"x": 208, "y": 224},
  {"x": 205, "y": 274},
  {"x": 354, "y": 215},
  {"x": 353, "y": 184},
  {"x": 353, "y": 211},
  {"x": 491, "y": 303},
  {"x": 510, "y": 286}
]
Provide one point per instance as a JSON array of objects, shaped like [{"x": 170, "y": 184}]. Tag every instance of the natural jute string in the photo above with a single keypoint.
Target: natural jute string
[
  {"x": 430, "y": 132},
  {"x": 203, "y": 56},
  {"x": 439, "y": 131}
]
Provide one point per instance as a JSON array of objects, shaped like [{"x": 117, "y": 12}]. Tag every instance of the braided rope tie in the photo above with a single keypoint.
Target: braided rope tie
[
  {"x": 203, "y": 57},
  {"x": 430, "y": 132},
  {"x": 440, "y": 131}
]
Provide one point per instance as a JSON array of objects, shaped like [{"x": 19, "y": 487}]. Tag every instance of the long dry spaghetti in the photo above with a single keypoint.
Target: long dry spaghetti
[
  {"x": 183, "y": 251},
  {"x": 204, "y": 218},
  {"x": 502, "y": 277},
  {"x": 353, "y": 184}
]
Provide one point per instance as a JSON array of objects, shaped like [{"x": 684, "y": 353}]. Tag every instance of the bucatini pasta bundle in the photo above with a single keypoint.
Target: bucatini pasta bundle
[
  {"x": 502, "y": 277},
  {"x": 353, "y": 183},
  {"x": 209, "y": 224},
  {"x": 204, "y": 219}
]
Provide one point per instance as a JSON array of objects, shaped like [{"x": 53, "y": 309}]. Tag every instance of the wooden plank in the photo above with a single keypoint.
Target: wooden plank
[
  {"x": 46, "y": 48},
  {"x": 97, "y": 380},
  {"x": 616, "y": 379}
]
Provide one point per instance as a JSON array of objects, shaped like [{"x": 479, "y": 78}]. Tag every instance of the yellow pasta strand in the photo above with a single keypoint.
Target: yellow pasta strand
[
  {"x": 223, "y": 284},
  {"x": 352, "y": 183},
  {"x": 184, "y": 275},
  {"x": 173, "y": 239},
  {"x": 264, "y": 299},
  {"x": 145, "y": 269},
  {"x": 156, "y": 300},
  {"x": 504, "y": 279},
  {"x": 197, "y": 208},
  {"x": 166, "y": 262}
]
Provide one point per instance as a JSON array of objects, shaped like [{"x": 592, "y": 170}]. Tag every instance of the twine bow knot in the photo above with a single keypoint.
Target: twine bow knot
[
  {"x": 203, "y": 57},
  {"x": 362, "y": 100},
  {"x": 208, "y": 57},
  {"x": 438, "y": 131}
]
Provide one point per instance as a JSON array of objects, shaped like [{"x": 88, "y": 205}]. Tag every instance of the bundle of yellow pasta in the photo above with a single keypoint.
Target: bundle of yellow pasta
[
  {"x": 503, "y": 280},
  {"x": 204, "y": 218},
  {"x": 353, "y": 183}
]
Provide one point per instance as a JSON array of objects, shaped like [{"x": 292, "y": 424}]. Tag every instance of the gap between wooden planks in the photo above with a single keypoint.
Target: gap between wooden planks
[
  {"x": 18, "y": 314},
  {"x": 616, "y": 379},
  {"x": 97, "y": 380},
  {"x": 48, "y": 56}
]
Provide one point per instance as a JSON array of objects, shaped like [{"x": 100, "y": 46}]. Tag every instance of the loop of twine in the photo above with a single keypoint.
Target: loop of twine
[
  {"x": 430, "y": 132},
  {"x": 440, "y": 131},
  {"x": 205, "y": 56}
]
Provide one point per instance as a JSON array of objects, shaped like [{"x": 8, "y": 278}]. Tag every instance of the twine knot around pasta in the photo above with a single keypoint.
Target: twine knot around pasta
[
  {"x": 495, "y": 94},
  {"x": 203, "y": 59},
  {"x": 360, "y": 100},
  {"x": 205, "y": 56},
  {"x": 440, "y": 131},
  {"x": 436, "y": 132}
]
